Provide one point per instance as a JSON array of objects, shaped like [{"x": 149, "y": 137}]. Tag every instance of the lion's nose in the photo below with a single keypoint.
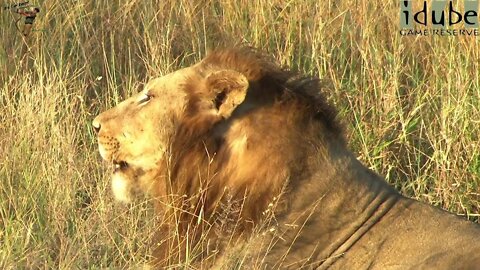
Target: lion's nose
[{"x": 96, "y": 125}]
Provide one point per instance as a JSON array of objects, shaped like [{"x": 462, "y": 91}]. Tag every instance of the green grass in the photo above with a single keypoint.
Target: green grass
[{"x": 410, "y": 105}]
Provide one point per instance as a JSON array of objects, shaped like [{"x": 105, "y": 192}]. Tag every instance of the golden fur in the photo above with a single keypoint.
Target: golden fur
[{"x": 222, "y": 143}]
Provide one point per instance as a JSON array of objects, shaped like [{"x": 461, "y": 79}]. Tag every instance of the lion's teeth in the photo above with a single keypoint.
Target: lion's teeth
[{"x": 117, "y": 166}]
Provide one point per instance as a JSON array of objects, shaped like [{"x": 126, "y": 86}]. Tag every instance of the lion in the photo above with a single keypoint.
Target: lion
[{"x": 238, "y": 152}]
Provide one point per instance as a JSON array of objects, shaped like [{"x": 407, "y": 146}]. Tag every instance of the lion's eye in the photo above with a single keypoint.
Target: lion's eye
[{"x": 145, "y": 98}]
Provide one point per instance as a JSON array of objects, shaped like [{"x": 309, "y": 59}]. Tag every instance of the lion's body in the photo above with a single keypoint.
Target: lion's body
[
  {"x": 364, "y": 224},
  {"x": 235, "y": 143}
]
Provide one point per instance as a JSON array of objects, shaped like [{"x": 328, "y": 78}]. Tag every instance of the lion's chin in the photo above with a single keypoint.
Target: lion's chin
[
  {"x": 131, "y": 182},
  {"x": 121, "y": 187}
]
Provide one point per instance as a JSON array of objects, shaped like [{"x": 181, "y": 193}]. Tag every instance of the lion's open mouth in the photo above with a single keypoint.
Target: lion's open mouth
[{"x": 119, "y": 166}]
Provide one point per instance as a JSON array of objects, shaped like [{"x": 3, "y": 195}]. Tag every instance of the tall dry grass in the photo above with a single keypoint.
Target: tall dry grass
[{"x": 410, "y": 104}]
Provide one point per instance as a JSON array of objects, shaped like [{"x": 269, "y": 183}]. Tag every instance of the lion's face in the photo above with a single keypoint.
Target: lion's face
[{"x": 134, "y": 136}]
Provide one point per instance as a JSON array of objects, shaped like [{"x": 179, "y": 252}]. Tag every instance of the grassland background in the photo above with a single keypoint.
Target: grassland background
[{"x": 410, "y": 105}]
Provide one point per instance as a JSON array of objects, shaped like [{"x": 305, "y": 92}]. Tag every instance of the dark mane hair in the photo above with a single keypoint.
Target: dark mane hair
[
  {"x": 199, "y": 148},
  {"x": 283, "y": 113}
]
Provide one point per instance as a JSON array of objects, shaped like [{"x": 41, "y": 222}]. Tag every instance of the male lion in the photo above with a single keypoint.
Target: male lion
[{"x": 235, "y": 142}]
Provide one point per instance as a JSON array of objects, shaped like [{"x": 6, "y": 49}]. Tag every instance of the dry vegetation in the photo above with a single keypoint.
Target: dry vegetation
[{"x": 411, "y": 107}]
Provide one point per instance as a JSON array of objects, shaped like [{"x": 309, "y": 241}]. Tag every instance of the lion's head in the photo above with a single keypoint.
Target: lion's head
[
  {"x": 136, "y": 134},
  {"x": 235, "y": 127},
  {"x": 205, "y": 106}
]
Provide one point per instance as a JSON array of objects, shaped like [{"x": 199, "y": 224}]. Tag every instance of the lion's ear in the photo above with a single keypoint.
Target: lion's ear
[{"x": 229, "y": 88}]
